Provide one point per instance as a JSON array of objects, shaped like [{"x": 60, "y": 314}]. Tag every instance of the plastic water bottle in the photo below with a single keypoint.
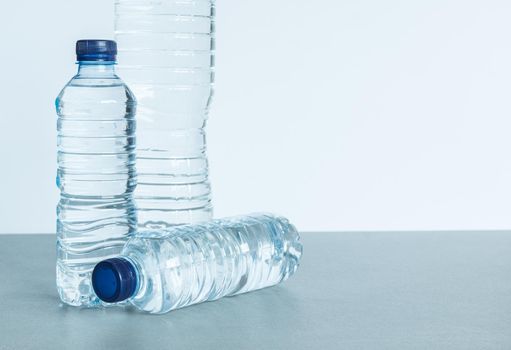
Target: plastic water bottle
[
  {"x": 96, "y": 169},
  {"x": 166, "y": 57},
  {"x": 195, "y": 263}
]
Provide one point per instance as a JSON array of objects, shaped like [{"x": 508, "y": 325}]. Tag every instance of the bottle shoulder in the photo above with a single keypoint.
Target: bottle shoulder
[
  {"x": 97, "y": 88},
  {"x": 101, "y": 96},
  {"x": 92, "y": 81}
]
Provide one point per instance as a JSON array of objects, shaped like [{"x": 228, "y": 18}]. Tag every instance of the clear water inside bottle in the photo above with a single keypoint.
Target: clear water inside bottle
[
  {"x": 190, "y": 264},
  {"x": 166, "y": 56},
  {"x": 95, "y": 175}
]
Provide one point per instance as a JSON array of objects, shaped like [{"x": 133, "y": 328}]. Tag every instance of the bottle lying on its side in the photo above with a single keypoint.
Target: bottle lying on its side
[{"x": 190, "y": 264}]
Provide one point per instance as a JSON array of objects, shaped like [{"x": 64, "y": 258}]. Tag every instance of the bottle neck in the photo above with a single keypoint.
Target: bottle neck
[{"x": 96, "y": 68}]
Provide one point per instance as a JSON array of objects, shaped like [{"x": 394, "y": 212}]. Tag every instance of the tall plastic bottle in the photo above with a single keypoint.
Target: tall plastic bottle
[
  {"x": 167, "y": 59},
  {"x": 96, "y": 169},
  {"x": 162, "y": 271}
]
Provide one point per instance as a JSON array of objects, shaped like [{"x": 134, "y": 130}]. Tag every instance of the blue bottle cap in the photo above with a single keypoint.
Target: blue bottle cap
[
  {"x": 96, "y": 50},
  {"x": 114, "y": 280}
]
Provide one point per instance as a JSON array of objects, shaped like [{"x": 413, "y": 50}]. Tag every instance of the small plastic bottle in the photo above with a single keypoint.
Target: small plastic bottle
[
  {"x": 96, "y": 169},
  {"x": 158, "y": 272}
]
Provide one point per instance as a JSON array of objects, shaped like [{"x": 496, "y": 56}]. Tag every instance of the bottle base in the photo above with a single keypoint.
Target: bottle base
[{"x": 75, "y": 288}]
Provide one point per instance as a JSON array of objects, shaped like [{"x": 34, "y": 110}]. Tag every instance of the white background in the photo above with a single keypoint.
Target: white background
[{"x": 341, "y": 115}]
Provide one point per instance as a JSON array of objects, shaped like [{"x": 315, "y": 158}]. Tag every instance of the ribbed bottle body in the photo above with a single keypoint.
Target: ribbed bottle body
[
  {"x": 95, "y": 175},
  {"x": 196, "y": 263},
  {"x": 166, "y": 57}
]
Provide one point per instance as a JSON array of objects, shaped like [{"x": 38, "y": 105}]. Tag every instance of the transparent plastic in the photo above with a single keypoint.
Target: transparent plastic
[
  {"x": 196, "y": 263},
  {"x": 96, "y": 176},
  {"x": 167, "y": 57}
]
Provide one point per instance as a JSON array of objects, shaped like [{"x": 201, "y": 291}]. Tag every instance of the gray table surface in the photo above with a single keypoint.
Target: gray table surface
[{"x": 410, "y": 290}]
